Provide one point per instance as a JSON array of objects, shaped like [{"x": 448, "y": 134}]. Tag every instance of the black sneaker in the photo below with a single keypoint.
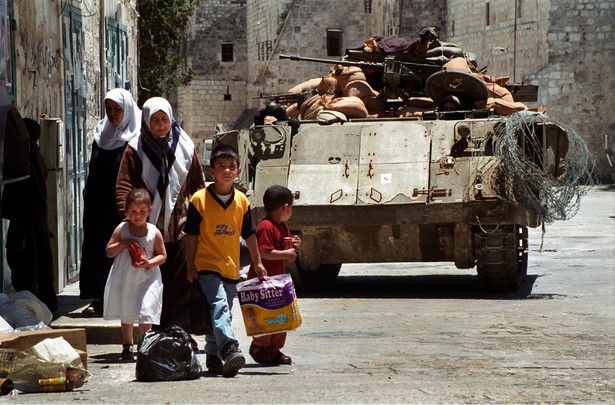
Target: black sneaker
[
  {"x": 213, "y": 364},
  {"x": 233, "y": 361}
]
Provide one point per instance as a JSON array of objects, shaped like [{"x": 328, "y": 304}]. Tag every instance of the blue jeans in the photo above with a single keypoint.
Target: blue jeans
[{"x": 220, "y": 295}]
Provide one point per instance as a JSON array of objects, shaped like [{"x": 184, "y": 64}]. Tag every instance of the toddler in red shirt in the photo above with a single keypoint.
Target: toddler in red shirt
[{"x": 270, "y": 233}]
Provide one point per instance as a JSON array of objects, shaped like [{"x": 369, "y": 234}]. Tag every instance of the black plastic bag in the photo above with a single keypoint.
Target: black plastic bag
[{"x": 167, "y": 355}]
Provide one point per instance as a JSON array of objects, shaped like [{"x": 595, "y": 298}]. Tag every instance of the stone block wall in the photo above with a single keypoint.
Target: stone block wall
[
  {"x": 304, "y": 33},
  {"x": 279, "y": 27},
  {"x": 503, "y": 46},
  {"x": 563, "y": 46},
  {"x": 416, "y": 14},
  {"x": 218, "y": 92},
  {"x": 579, "y": 83}
]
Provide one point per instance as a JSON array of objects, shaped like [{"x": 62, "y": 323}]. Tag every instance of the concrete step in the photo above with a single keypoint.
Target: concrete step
[{"x": 68, "y": 315}]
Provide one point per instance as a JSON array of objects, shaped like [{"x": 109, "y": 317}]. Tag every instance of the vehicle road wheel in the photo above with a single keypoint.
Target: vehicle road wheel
[{"x": 501, "y": 257}]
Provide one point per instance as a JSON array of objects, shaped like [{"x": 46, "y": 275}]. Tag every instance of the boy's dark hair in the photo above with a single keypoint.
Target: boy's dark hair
[
  {"x": 138, "y": 196},
  {"x": 276, "y": 196},
  {"x": 223, "y": 152}
]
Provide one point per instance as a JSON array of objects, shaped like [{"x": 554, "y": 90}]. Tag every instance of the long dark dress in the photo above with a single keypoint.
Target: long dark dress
[
  {"x": 100, "y": 217},
  {"x": 28, "y": 247}
]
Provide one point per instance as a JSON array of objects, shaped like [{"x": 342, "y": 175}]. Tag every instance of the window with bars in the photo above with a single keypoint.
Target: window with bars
[
  {"x": 268, "y": 48},
  {"x": 117, "y": 52},
  {"x": 264, "y": 49},
  {"x": 7, "y": 50},
  {"x": 487, "y": 15}
]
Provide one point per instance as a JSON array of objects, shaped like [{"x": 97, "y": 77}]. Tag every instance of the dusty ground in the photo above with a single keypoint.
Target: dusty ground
[{"x": 425, "y": 333}]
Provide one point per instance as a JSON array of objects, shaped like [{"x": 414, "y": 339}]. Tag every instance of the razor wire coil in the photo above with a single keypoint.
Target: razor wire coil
[{"x": 523, "y": 182}]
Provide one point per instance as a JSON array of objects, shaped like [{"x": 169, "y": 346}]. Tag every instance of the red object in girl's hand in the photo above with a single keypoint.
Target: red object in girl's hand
[{"x": 136, "y": 254}]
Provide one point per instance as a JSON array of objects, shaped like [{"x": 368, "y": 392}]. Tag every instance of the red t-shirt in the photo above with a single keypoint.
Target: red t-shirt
[{"x": 270, "y": 237}]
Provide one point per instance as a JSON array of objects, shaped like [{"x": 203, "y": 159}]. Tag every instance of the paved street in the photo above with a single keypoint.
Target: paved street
[{"x": 420, "y": 333}]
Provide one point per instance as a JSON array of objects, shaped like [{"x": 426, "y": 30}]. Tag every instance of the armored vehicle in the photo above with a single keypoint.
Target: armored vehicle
[{"x": 459, "y": 186}]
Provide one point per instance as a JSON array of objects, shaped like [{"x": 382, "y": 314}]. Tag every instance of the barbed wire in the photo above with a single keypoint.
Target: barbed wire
[{"x": 547, "y": 178}]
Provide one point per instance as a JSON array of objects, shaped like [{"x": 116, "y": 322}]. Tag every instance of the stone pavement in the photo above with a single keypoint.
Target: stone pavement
[{"x": 68, "y": 315}]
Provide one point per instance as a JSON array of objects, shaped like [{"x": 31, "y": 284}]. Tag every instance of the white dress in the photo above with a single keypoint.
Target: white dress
[{"x": 134, "y": 295}]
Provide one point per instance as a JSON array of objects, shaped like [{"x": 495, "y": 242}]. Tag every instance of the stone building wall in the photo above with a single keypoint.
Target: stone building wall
[
  {"x": 579, "y": 82},
  {"x": 416, "y": 14},
  {"x": 505, "y": 47},
  {"x": 217, "y": 95},
  {"x": 278, "y": 27},
  {"x": 563, "y": 46},
  {"x": 384, "y": 18},
  {"x": 305, "y": 33}
]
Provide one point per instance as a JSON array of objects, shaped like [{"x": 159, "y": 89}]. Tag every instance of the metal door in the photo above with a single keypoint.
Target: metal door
[
  {"x": 394, "y": 163},
  {"x": 76, "y": 150},
  {"x": 323, "y": 169}
]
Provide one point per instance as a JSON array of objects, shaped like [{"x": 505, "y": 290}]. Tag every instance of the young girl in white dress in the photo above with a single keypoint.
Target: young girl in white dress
[{"x": 133, "y": 293}]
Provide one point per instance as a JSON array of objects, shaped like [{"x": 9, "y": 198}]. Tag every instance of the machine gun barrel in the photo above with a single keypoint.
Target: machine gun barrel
[
  {"x": 288, "y": 98},
  {"x": 432, "y": 66},
  {"x": 369, "y": 65}
]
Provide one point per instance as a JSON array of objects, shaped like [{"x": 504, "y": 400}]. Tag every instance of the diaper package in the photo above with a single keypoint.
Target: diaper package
[{"x": 269, "y": 306}]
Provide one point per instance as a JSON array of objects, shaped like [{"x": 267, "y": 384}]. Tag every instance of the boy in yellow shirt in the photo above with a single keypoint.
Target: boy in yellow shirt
[{"x": 217, "y": 216}]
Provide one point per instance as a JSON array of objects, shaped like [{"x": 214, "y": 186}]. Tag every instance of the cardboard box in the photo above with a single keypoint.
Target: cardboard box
[
  {"x": 22, "y": 340},
  {"x": 76, "y": 337}
]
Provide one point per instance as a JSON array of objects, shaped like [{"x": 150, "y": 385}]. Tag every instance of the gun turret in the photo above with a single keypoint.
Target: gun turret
[
  {"x": 287, "y": 98},
  {"x": 396, "y": 79}
]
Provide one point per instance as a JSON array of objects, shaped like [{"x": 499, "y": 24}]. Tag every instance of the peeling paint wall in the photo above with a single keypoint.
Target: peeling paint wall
[
  {"x": 40, "y": 56},
  {"x": 39, "y": 48},
  {"x": 38, "y": 77}
]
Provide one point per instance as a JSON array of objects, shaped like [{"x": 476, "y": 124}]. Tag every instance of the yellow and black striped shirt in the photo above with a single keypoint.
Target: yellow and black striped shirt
[{"x": 218, "y": 226}]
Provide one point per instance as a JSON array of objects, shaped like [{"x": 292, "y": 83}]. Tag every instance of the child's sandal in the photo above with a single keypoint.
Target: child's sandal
[{"x": 127, "y": 353}]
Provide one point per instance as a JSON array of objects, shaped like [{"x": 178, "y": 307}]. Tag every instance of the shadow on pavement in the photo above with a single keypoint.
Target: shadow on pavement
[
  {"x": 69, "y": 303},
  {"x": 110, "y": 358},
  {"x": 419, "y": 286}
]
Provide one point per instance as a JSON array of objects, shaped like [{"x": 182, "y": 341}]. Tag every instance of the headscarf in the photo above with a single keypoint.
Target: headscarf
[
  {"x": 166, "y": 160},
  {"x": 109, "y": 137},
  {"x": 156, "y": 147}
]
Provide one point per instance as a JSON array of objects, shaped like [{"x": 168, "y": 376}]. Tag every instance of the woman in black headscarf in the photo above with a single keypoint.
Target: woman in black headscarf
[{"x": 163, "y": 160}]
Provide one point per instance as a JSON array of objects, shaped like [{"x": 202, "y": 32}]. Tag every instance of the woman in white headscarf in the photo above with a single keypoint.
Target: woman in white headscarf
[
  {"x": 163, "y": 160},
  {"x": 122, "y": 123}
]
